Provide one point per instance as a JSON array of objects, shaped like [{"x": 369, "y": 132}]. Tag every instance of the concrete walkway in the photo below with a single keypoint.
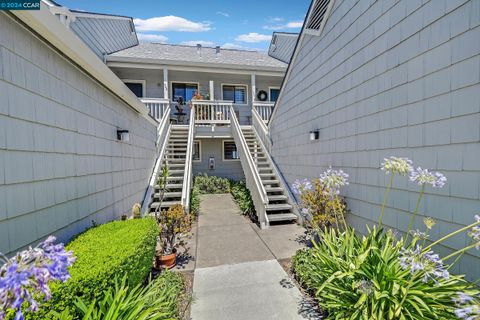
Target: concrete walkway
[{"x": 237, "y": 275}]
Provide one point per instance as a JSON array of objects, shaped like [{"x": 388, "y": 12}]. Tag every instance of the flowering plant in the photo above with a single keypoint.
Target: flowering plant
[
  {"x": 320, "y": 206},
  {"x": 171, "y": 223},
  {"x": 25, "y": 278},
  {"x": 384, "y": 276}
]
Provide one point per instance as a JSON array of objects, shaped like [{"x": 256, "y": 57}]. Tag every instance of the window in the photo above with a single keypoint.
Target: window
[
  {"x": 237, "y": 94},
  {"x": 318, "y": 15},
  {"x": 274, "y": 92},
  {"x": 184, "y": 91},
  {"x": 197, "y": 151},
  {"x": 138, "y": 87},
  {"x": 230, "y": 151}
]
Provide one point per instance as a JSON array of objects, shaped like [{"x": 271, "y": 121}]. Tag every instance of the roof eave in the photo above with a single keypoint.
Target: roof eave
[{"x": 164, "y": 62}]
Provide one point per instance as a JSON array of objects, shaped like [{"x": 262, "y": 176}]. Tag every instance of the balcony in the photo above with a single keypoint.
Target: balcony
[{"x": 207, "y": 112}]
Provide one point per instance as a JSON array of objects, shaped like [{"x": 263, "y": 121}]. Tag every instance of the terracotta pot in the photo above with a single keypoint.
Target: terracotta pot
[{"x": 166, "y": 261}]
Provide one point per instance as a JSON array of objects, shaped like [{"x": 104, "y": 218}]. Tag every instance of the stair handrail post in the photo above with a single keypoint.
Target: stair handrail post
[
  {"x": 187, "y": 176},
  {"x": 252, "y": 176},
  {"x": 163, "y": 133}
]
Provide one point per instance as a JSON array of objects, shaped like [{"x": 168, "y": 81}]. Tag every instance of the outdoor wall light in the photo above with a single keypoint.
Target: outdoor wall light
[
  {"x": 123, "y": 135},
  {"x": 314, "y": 135}
]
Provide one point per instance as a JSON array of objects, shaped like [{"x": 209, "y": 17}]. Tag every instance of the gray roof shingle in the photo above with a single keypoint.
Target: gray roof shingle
[{"x": 189, "y": 54}]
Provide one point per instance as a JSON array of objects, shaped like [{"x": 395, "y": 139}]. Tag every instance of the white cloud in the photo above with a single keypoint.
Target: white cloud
[
  {"x": 225, "y": 14},
  {"x": 144, "y": 37},
  {"x": 202, "y": 42},
  {"x": 288, "y": 25},
  {"x": 253, "y": 37},
  {"x": 230, "y": 45},
  {"x": 275, "y": 19},
  {"x": 170, "y": 23}
]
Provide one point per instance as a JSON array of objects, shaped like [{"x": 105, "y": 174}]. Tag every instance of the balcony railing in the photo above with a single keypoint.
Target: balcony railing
[
  {"x": 157, "y": 107},
  {"x": 212, "y": 112},
  {"x": 264, "y": 109}
]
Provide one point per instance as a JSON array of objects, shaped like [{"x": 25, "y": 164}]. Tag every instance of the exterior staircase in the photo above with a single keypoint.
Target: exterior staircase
[
  {"x": 175, "y": 160},
  {"x": 278, "y": 207}
]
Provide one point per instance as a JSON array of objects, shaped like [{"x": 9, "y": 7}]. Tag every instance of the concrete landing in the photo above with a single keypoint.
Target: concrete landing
[
  {"x": 237, "y": 275},
  {"x": 246, "y": 291}
]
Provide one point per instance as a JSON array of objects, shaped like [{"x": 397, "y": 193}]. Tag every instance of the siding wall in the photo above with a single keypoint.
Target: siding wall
[
  {"x": 154, "y": 79},
  {"x": 224, "y": 169},
  {"x": 60, "y": 163},
  {"x": 284, "y": 46},
  {"x": 388, "y": 78}
]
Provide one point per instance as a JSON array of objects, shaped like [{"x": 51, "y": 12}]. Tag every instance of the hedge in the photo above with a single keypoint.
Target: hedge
[{"x": 117, "y": 248}]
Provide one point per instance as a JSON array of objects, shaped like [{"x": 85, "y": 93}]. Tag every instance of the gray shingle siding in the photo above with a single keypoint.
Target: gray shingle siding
[
  {"x": 390, "y": 78},
  {"x": 104, "y": 34},
  {"x": 283, "y": 47},
  {"x": 60, "y": 163}
]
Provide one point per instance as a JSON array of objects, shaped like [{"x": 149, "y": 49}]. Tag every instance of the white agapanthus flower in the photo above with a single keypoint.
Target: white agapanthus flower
[
  {"x": 333, "y": 180},
  {"x": 424, "y": 176},
  {"x": 402, "y": 166}
]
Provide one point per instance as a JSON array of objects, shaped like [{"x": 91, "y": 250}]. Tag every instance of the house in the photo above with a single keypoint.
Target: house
[
  {"x": 387, "y": 78},
  {"x": 88, "y": 117},
  {"x": 282, "y": 46}
]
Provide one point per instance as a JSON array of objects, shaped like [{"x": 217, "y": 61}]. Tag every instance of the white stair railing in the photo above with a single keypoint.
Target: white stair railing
[
  {"x": 264, "y": 109},
  {"x": 262, "y": 133},
  {"x": 187, "y": 176},
  {"x": 212, "y": 112},
  {"x": 157, "y": 107},
  {"x": 261, "y": 129},
  {"x": 252, "y": 177},
  {"x": 163, "y": 133}
]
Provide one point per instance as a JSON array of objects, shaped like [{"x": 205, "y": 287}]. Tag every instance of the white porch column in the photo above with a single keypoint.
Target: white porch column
[
  {"x": 165, "y": 82},
  {"x": 254, "y": 87},
  {"x": 212, "y": 91}
]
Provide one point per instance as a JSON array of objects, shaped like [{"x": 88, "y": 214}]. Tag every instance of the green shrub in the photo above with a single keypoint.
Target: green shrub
[
  {"x": 159, "y": 299},
  {"x": 242, "y": 197},
  {"x": 211, "y": 184},
  {"x": 115, "y": 249},
  {"x": 362, "y": 278},
  {"x": 195, "y": 201}
]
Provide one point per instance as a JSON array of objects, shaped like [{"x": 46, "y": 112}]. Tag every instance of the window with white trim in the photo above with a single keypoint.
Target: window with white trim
[
  {"x": 230, "y": 151},
  {"x": 197, "y": 150},
  {"x": 137, "y": 87},
  {"x": 235, "y": 93},
  {"x": 318, "y": 15}
]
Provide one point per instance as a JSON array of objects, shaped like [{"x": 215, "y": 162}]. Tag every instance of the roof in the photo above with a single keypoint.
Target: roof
[
  {"x": 283, "y": 45},
  {"x": 103, "y": 33},
  {"x": 54, "y": 32},
  {"x": 191, "y": 55}
]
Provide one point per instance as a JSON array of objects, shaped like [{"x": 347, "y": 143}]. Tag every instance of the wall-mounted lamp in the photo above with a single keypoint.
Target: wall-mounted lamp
[
  {"x": 123, "y": 135},
  {"x": 314, "y": 135}
]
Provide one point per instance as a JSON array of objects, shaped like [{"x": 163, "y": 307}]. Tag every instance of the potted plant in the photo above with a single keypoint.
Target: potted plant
[{"x": 171, "y": 223}]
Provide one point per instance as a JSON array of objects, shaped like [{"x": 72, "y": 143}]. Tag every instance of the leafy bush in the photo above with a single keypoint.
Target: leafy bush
[
  {"x": 242, "y": 197},
  {"x": 211, "y": 184},
  {"x": 317, "y": 202},
  {"x": 362, "y": 278},
  {"x": 115, "y": 249},
  {"x": 195, "y": 201},
  {"x": 160, "y": 299},
  {"x": 381, "y": 276}
]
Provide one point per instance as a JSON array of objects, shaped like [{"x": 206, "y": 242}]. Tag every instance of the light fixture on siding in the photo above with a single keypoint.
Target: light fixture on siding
[
  {"x": 123, "y": 135},
  {"x": 314, "y": 135}
]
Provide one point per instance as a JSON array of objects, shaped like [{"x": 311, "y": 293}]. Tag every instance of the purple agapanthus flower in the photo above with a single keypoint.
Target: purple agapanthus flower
[
  {"x": 474, "y": 233},
  {"x": 429, "y": 263},
  {"x": 299, "y": 186},
  {"x": 424, "y": 176},
  {"x": 25, "y": 277},
  {"x": 468, "y": 306}
]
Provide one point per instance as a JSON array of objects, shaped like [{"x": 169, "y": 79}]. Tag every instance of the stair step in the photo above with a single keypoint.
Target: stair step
[
  {"x": 175, "y": 178},
  {"x": 262, "y": 175},
  {"x": 165, "y": 204},
  {"x": 174, "y": 186},
  {"x": 281, "y": 217},
  {"x": 274, "y": 189},
  {"x": 278, "y": 198},
  {"x": 270, "y": 182},
  {"x": 176, "y": 165},
  {"x": 168, "y": 195},
  {"x": 277, "y": 207}
]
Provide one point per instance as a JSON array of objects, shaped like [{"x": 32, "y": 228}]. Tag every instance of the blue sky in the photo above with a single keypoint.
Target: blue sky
[{"x": 245, "y": 24}]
